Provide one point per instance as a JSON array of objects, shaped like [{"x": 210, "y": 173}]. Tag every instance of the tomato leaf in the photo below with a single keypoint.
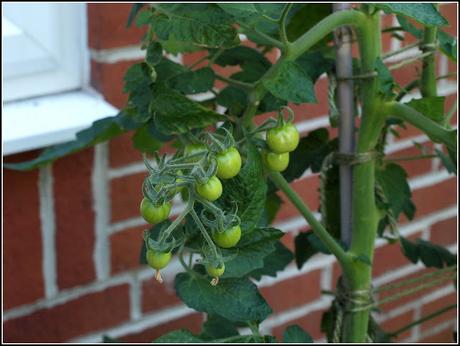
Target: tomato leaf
[
  {"x": 241, "y": 55},
  {"x": 431, "y": 107},
  {"x": 295, "y": 334},
  {"x": 307, "y": 244},
  {"x": 179, "y": 336},
  {"x": 305, "y": 18},
  {"x": 193, "y": 82},
  {"x": 393, "y": 180},
  {"x": 205, "y": 25},
  {"x": 154, "y": 53},
  {"x": 248, "y": 189},
  {"x": 100, "y": 131},
  {"x": 239, "y": 10},
  {"x": 234, "y": 99},
  {"x": 145, "y": 141},
  {"x": 431, "y": 255},
  {"x": 175, "y": 113},
  {"x": 250, "y": 252},
  {"x": 274, "y": 262},
  {"x": 217, "y": 327},
  {"x": 424, "y": 13},
  {"x": 233, "y": 299},
  {"x": 133, "y": 12},
  {"x": 291, "y": 83}
]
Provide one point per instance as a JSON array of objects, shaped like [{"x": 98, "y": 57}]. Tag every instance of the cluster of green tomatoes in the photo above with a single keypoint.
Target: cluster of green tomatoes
[{"x": 196, "y": 172}]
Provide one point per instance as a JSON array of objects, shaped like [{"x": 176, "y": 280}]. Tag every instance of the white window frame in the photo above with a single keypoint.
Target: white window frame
[{"x": 48, "y": 103}]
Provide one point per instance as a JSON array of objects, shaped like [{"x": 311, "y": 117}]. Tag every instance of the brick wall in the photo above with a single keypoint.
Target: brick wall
[{"x": 72, "y": 230}]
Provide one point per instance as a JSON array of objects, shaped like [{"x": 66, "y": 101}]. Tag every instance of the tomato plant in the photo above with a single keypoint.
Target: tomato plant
[
  {"x": 154, "y": 214},
  {"x": 216, "y": 134},
  {"x": 276, "y": 162},
  {"x": 228, "y": 238}
]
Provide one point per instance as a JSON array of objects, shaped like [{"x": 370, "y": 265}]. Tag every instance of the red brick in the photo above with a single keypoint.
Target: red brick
[
  {"x": 450, "y": 12},
  {"x": 410, "y": 297},
  {"x": 191, "y": 322},
  {"x": 156, "y": 296},
  {"x": 436, "y": 197},
  {"x": 107, "y": 26},
  {"x": 311, "y": 323},
  {"x": 125, "y": 248},
  {"x": 302, "y": 289},
  {"x": 413, "y": 167},
  {"x": 397, "y": 322},
  {"x": 446, "y": 336},
  {"x": 386, "y": 22},
  {"x": 125, "y": 196},
  {"x": 108, "y": 80},
  {"x": 22, "y": 256},
  {"x": 60, "y": 323},
  {"x": 308, "y": 190},
  {"x": 445, "y": 232},
  {"x": 73, "y": 199},
  {"x": 437, "y": 305}
]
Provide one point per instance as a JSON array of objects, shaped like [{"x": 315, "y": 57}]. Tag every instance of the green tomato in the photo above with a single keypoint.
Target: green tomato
[
  {"x": 192, "y": 149},
  {"x": 228, "y": 163},
  {"x": 215, "y": 272},
  {"x": 158, "y": 260},
  {"x": 153, "y": 214},
  {"x": 211, "y": 190},
  {"x": 228, "y": 238},
  {"x": 276, "y": 162},
  {"x": 283, "y": 139}
]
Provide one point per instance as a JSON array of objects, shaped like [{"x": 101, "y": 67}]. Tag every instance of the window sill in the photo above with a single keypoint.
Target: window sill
[{"x": 43, "y": 121}]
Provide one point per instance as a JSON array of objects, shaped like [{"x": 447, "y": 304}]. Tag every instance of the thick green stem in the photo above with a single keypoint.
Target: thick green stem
[
  {"x": 358, "y": 274},
  {"x": 316, "y": 226},
  {"x": 433, "y": 130},
  {"x": 297, "y": 48},
  {"x": 428, "y": 85}
]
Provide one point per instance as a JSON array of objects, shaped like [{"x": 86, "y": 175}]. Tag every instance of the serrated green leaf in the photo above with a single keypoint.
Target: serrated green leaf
[
  {"x": 179, "y": 336},
  {"x": 175, "y": 113},
  {"x": 270, "y": 103},
  {"x": 315, "y": 64},
  {"x": 100, "y": 131},
  {"x": 250, "y": 252},
  {"x": 272, "y": 205},
  {"x": 307, "y": 244},
  {"x": 448, "y": 45},
  {"x": 447, "y": 161},
  {"x": 248, "y": 189},
  {"x": 393, "y": 180},
  {"x": 193, "y": 82},
  {"x": 386, "y": 81},
  {"x": 433, "y": 255},
  {"x": 144, "y": 141},
  {"x": 424, "y": 13},
  {"x": 138, "y": 83},
  {"x": 205, "y": 25},
  {"x": 295, "y": 334},
  {"x": 234, "y": 99},
  {"x": 305, "y": 18},
  {"x": 239, "y": 10},
  {"x": 241, "y": 55},
  {"x": 291, "y": 83},
  {"x": 135, "y": 8},
  {"x": 217, "y": 327},
  {"x": 432, "y": 107},
  {"x": 273, "y": 263},
  {"x": 233, "y": 299},
  {"x": 154, "y": 53}
]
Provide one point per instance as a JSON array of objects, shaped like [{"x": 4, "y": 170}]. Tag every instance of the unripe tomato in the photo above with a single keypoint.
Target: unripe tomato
[
  {"x": 211, "y": 190},
  {"x": 283, "y": 139},
  {"x": 228, "y": 163},
  {"x": 228, "y": 238},
  {"x": 215, "y": 272},
  {"x": 153, "y": 214},
  {"x": 192, "y": 149},
  {"x": 158, "y": 260},
  {"x": 276, "y": 162}
]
